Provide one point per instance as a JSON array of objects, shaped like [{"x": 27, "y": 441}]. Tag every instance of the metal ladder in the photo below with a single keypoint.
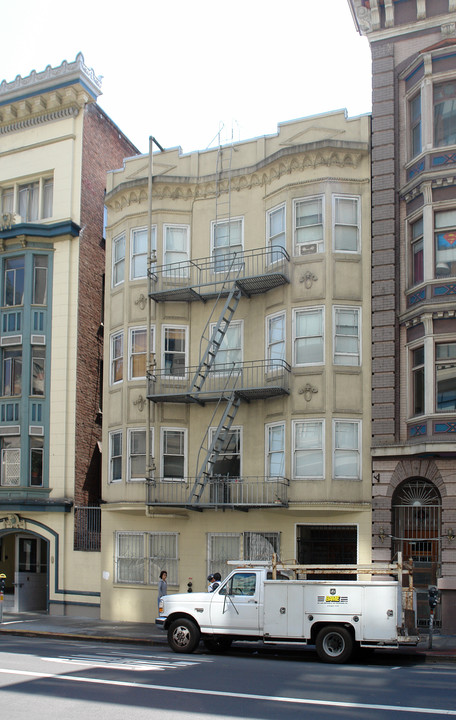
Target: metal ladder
[
  {"x": 219, "y": 441},
  {"x": 215, "y": 340}
]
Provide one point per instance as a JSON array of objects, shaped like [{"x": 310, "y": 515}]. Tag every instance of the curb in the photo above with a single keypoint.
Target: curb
[{"x": 76, "y": 636}]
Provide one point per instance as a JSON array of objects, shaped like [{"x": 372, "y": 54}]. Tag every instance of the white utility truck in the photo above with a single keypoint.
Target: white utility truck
[{"x": 260, "y": 602}]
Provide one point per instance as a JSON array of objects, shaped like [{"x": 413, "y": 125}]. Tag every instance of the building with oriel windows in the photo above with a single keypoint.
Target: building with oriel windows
[
  {"x": 413, "y": 45},
  {"x": 237, "y": 359},
  {"x": 56, "y": 146}
]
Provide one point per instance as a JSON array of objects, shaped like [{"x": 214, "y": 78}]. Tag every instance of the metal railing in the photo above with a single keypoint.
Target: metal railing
[
  {"x": 205, "y": 276},
  {"x": 220, "y": 491},
  {"x": 87, "y": 528},
  {"x": 255, "y": 378}
]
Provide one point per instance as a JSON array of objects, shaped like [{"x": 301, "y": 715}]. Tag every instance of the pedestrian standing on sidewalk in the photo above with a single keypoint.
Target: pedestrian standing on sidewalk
[{"x": 162, "y": 586}]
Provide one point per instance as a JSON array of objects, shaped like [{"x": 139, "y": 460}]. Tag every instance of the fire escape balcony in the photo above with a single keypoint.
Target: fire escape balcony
[
  {"x": 252, "y": 380},
  {"x": 237, "y": 493},
  {"x": 255, "y": 271}
]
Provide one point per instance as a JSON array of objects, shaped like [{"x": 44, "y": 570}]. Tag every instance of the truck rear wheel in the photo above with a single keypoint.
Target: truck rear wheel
[
  {"x": 217, "y": 643},
  {"x": 183, "y": 636},
  {"x": 334, "y": 644}
]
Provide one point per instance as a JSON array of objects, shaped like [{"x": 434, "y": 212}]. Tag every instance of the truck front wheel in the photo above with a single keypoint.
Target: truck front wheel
[
  {"x": 183, "y": 636},
  {"x": 334, "y": 644}
]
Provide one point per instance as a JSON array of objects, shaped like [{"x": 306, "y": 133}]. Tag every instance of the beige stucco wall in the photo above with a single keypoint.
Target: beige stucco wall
[{"x": 324, "y": 155}]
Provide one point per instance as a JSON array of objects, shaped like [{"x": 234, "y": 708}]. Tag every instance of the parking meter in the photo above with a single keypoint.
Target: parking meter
[
  {"x": 433, "y": 596},
  {"x": 2, "y": 594}
]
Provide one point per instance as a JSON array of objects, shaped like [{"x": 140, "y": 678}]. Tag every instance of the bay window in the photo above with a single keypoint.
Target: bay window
[
  {"x": 275, "y": 339},
  {"x": 138, "y": 251},
  {"x": 115, "y": 456},
  {"x": 308, "y": 449},
  {"x": 445, "y": 243},
  {"x": 347, "y": 449},
  {"x": 415, "y": 125},
  {"x": 445, "y": 114},
  {"x": 117, "y": 357},
  {"x": 174, "y": 347},
  {"x": 14, "y": 269},
  {"x": 11, "y": 461},
  {"x": 118, "y": 260},
  {"x": 445, "y": 377},
  {"x": 275, "y": 451},
  {"x": 12, "y": 371},
  {"x": 417, "y": 252},
  {"x": 227, "y": 242},
  {"x": 309, "y": 224},
  {"x": 276, "y": 235},
  {"x": 308, "y": 340},
  {"x": 346, "y": 224},
  {"x": 173, "y": 453},
  {"x": 176, "y": 249},
  {"x": 418, "y": 376},
  {"x": 347, "y": 336}
]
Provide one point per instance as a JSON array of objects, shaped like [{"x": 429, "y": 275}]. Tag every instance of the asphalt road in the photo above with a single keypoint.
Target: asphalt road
[{"x": 45, "y": 678}]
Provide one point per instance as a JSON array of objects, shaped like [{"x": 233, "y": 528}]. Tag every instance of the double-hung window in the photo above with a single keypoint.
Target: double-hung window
[
  {"x": 12, "y": 371},
  {"x": 228, "y": 460},
  {"x": 115, "y": 456},
  {"x": 38, "y": 370},
  {"x": 275, "y": 451},
  {"x": 445, "y": 243},
  {"x": 138, "y": 251},
  {"x": 227, "y": 244},
  {"x": 308, "y": 449},
  {"x": 173, "y": 453},
  {"x": 29, "y": 201},
  {"x": 346, "y": 224},
  {"x": 7, "y": 195},
  {"x": 276, "y": 233},
  {"x": 40, "y": 274},
  {"x": 308, "y": 336},
  {"x": 176, "y": 250},
  {"x": 275, "y": 340},
  {"x": 309, "y": 225},
  {"x": 445, "y": 114},
  {"x": 118, "y": 260},
  {"x": 137, "y": 454},
  {"x": 229, "y": 354},
  {"x": 445, "y": 377},
  {"x": 418, "y": 376},
  {"x": 416, "y": 231},
  {"x": 36, "y": 461},
  {"x": 117, "y": 355},
  {"x": 174, "y": 348},
  {"x": 138, "y": 352},
  {"x": 415, "y": 125},
  {"x": 347, "y": 449},
  {"x": 14, "y": 269},
  {"x": 347, "y": 336}
]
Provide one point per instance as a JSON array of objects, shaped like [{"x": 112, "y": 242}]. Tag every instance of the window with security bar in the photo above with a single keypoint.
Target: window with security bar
[
  {"x": 261, "y": 545},
  {"x": 11, "y": 461},
  {"x": 141, "y": 556},
  {"x": 221, "y": 548}
]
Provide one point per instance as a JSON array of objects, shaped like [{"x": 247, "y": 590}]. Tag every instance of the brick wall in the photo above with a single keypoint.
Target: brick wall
[{"x": 104, "y": 148}]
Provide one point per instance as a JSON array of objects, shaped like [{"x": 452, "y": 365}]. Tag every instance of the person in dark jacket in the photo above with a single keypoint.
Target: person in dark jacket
[{"x": 162, "y": 585}]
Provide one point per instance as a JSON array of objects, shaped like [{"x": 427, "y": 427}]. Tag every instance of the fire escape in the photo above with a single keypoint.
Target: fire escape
[{"x": 220, "y": 279}]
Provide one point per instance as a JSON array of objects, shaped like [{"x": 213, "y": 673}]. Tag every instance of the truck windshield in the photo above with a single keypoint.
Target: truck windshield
[{"x": 240, "y": 584}]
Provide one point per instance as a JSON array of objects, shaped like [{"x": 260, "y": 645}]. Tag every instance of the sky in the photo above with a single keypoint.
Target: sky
[{"x": 192, "y": 74}]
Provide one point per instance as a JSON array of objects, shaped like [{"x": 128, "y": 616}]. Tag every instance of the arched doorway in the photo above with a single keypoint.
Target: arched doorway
[
  {"x": 417, "y": 508},
  {"x": 24, "y": 560}
]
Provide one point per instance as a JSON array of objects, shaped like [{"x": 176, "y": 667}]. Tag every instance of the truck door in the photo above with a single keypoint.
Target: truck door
[{"x": 235, "y": 605}]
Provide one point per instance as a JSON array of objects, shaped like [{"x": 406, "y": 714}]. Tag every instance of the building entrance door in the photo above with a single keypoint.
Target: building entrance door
[
  {"x": 416, "y": 533},
  {"x": 31, "y": 574}
]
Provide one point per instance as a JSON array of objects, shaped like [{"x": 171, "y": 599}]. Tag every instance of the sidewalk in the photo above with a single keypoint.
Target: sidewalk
[{"x": 80, "y": 628}]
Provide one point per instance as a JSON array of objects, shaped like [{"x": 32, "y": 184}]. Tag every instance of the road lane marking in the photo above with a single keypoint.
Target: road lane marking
[
  {"x": 224, "y": 694},
  {"x": 122, "y": 662}
]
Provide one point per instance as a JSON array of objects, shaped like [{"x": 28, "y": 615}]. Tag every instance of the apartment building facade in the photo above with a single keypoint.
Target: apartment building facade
[
  {"x": 237, "y": 360},
  {"x": 413, "y": 45},
  {"x": 56, "y": 146}
]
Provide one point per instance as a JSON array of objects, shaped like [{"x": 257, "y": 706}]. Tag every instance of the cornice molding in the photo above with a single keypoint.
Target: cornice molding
[
  {"x": 261, "y": 175},
  {"x": 45, "y": 80},
  {"x": 39, "y": 120}
]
